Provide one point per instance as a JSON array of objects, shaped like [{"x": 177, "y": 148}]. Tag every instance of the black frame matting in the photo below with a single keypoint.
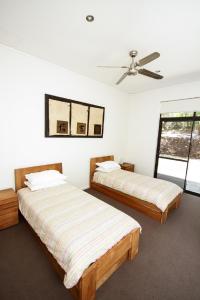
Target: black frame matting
[
  {"x": 70, "y": 101},
  {"x": 176, "y": 119}
]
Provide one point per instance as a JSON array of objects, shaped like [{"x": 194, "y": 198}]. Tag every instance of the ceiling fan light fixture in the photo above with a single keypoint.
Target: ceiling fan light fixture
[{"x": 89, "y": 18}]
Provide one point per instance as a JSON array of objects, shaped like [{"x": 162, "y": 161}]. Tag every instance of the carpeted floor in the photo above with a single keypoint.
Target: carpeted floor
[{"x": 167, "y": 267}]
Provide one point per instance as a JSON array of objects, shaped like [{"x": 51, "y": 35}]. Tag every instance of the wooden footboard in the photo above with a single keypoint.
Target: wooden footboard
[
  {"x": 174, "y": 204},
  {"x": 98, "y": 272},
  {"x": 106, "y": 265}
]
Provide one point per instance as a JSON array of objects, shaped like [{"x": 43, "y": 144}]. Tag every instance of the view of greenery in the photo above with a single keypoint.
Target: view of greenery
[
  {"x": 177, "y": 114},
  {"x": 175, "y": 139}
]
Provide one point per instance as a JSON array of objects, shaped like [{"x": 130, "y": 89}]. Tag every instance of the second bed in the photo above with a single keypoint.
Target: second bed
[{"x": 152, "y": 196}]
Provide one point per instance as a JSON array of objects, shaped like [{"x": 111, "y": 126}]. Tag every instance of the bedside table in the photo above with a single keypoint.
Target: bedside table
[
  {"x": 127, "y": 167},
  {"x": 8, "y": 208}
]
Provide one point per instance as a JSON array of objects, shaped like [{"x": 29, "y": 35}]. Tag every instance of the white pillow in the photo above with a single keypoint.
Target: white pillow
[
  {"x": 38, "y": 178},
  {"x": 108, "y": 170},
  {"x": 36, "y": 187},
  {"x": 108, "y": 164}
]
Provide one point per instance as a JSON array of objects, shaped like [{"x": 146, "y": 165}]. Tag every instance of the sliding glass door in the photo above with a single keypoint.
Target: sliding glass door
[
  {"x": 178, "y": 151},
  {"x": 193, "y": 171}
]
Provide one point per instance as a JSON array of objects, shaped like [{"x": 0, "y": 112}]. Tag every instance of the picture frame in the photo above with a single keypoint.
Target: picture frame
[{"x": 69, "y": 118}]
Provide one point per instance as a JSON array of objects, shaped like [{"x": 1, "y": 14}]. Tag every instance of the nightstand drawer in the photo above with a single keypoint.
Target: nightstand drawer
[
  {"x": 8, "y": 205},
  {"x": 8, "y": 210},
  {"x": 8, "y": 219},
  {"x": 8, "y": 201}
]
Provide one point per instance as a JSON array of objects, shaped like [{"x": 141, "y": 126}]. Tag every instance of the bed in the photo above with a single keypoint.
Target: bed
[
  {"x": 137, "y": 203},
  {"x": 37, "y": 206}
]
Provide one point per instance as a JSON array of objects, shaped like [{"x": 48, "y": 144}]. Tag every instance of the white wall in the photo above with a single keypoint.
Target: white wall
[
  {"x": 144, "y": 114},
  {"x": 23, "y": 82},
  {"x": 25, "y": 79}
]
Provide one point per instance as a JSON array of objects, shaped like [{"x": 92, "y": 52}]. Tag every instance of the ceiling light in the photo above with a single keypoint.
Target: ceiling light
[{"x": 90, "y": 18}]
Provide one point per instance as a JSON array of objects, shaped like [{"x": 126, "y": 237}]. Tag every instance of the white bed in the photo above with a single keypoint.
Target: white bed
[
  {"x": 76, "y": 227},
  {"x": 151, "y": 196},
  {"x": 156, "y": 191}
]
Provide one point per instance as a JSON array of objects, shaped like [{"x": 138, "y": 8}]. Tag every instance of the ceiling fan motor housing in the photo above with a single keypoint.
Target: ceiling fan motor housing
[
  {"x": 133, "y": 53},
  {"x": 133, "y": 72}
]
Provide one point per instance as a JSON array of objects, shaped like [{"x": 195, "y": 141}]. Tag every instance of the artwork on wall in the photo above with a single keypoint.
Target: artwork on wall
[
  {"x": 95, "y": 121},
  {"x": 79, "y": 119},
  {"x": 62, "y": 126},
  {"x": 57, "y": 118},
  {"x": 69, "y": 118},
  {"x": 81, "y": 128},
  {"x": 97, "y": 129}
]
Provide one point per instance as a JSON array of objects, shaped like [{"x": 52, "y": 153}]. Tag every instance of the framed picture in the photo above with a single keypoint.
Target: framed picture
[
  {"x": 58, "y": 118},
  {"x": 79, "y": 119},
  {"x": 69, "y": 118},
  {"x": 96, "y": 119}
]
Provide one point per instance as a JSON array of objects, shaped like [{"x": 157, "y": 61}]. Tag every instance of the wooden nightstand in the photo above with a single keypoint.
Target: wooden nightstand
[
  {"x": 8, "y": 208},
  {"x": 127, "y": 167}
]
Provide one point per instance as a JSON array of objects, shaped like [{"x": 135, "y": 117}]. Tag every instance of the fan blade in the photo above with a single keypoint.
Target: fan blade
[
  {"x": 148, "y": 59},
  {"x": 123, "y": 67},
  {"x": 122, "y": 78},
  {"x": 149, "y": 74}
]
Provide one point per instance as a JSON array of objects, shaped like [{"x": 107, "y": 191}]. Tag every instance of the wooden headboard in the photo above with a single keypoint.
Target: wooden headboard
[
  {"x": 95, "y": 160},
  {"x": 20, "y": 173}
]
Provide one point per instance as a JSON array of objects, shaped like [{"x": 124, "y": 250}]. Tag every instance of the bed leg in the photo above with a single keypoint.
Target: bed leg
[
  {"x": 134, "y": 244},
  {"x": 164, "y": 217},
  {"x": 178, "y": 203},
  {"x": 87, "y": 284}
]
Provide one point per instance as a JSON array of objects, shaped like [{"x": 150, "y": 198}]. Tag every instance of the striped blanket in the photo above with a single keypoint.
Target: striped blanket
[
  {"x": 76, "y": 227},
  {"x": 157, "y": 191}
]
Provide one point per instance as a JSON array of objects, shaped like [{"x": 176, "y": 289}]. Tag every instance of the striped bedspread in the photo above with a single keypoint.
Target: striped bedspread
[
  {"x": 76, "y": 227},
  {"x": 157, "y": 191}
]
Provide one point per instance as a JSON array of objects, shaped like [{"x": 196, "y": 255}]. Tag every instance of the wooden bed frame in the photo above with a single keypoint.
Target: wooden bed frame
[
  {"x": 98, "y": 272},
  {"x": 140, "y": 205}
]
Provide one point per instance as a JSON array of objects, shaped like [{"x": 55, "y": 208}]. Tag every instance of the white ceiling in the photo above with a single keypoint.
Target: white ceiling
[{"x": 56, "y": 30}]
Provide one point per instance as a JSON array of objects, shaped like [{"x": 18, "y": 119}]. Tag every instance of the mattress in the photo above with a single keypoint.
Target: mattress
[
  {"x": 76, "y": 227},
  {"x": 157, "y": 191}
]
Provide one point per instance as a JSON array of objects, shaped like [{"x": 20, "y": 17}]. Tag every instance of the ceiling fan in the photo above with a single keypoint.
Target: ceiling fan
[{"x": 134, "y": 69}]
